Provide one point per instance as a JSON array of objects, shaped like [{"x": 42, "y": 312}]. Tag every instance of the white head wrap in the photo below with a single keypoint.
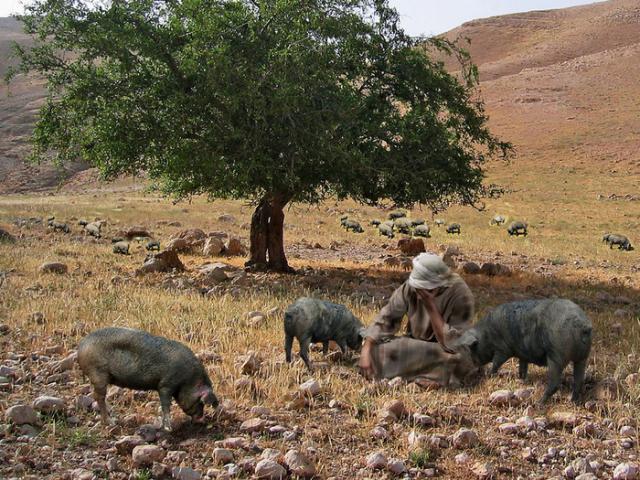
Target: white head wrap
[{"x": 429, "y": 272}]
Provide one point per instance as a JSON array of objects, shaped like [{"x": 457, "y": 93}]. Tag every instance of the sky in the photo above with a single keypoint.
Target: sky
[{"x": 426, "y": 17}]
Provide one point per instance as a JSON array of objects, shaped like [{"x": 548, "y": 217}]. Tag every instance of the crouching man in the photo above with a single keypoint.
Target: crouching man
[{"x": 439, "y": 306}]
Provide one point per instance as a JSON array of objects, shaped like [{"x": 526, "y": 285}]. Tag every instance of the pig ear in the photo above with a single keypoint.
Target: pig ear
[{"x": 205, "y": 394}]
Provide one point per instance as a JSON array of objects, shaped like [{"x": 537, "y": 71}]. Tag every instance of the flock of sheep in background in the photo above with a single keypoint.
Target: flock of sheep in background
[{"x": 399, "y": 222}]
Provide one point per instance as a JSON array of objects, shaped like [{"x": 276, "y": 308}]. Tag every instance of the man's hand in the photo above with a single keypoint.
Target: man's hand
[{"x": 365, "y": 363}]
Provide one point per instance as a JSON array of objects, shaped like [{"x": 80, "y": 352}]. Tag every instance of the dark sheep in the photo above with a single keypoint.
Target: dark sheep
[
  {"x": 121, "y": 248},
  {"x": 153, "y": 245},
  {"x": 375, "y": 223},
  {"x": 517, "y": 228},
  {"x": 60, "y": 227},
  {"x": 621, "y": 241},
  {"x": 422, "y": 231},
  {"x": 386, "y": 230},
  {"x": 397, "y": 214},
  {"x": 453, "y": 228},
  {"x": 416, "y": 222},
  {"x": 402, "y": 225},
  {"x": 352, "y": 225}
]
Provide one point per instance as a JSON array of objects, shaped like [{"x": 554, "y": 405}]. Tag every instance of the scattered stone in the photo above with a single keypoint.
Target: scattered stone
[
  {"x": 161, "y": 262},
  {"x": 627, "y": 431},
  {"x": 125, "y": 445},
  {"x": 465, "y": 438},
  {"x": 607, "y": 389},
  {"x": 299, "y": 464},
  {"x": 502, "y": 397},
  {"x": 494, "y": 269},
  {"x": 526, "y": 424},
  {"x": 227, "y": 217},
  {"x": 396, "y": 407},
  {"x": 632, "y": 380},
  {"x": 270, "y": 470},
  {"x": 194, "y": 239},
  {"x": 379, "y": 433},
  {"x": 250, "y": 364},
  {"x": 376, "y": 461},
  {"x": 260, "y": 411},
  {"x": 253, "y": 425},
  {"x": 483, "y": 471},
  {"x": 424, "y": 420},
  {"x": 178, "y": 245},
  {"x": 82, "y": 474},
  {"x": 579, "y": 466},
  {"x": 528, "y": 455},
  {"x": 462, "y": 458},
  {"x": 234, "y": 247},
  {"x": 65, "y": 364},
  {"x": 175, "y": 457},
  {"x": 146, "y": 455},
  {"x": 523, "y": 394},
  {"x": 508, "y": 428},
  {"x": 627, "y": 471},
  {"x": 148, "y": 432},
  {"x": 213, "y": 246},
  {"x": 46, "y": 404},
  {"x": 54, "y": 267},
  {"x": 22, "y": 415},
  {"x": 185, "y": 473},
  {"x": 222, "y": 456},
  {"x": 396, "y": 466},
  {"x": 310, "y": 387},
  {"x": 471, "y": 268}
]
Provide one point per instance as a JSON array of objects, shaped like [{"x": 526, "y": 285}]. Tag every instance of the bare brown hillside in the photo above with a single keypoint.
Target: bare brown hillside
[{"x": 19, "y": 104}]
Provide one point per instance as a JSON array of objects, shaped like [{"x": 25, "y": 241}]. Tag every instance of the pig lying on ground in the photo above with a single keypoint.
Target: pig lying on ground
[
  {"x": 135, "y": 359},
  {"x": 551, "y": 332},
  {"x": 313, "y": 321}
]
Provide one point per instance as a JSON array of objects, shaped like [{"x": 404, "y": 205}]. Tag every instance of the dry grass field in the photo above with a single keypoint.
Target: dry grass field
[{"x": 562, "y": 256}]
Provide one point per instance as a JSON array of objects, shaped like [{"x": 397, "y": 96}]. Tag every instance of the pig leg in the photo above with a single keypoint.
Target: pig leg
[
  {"x": 288, "y": 344},
  {"x": 325, "y": 347},
  {"x": 553, "y": 380},
  {"x": 498, "y": 360},
  {"x": 578, "y": 379},
  {"x": 304, "y": 350},
  {"x": 165, "y": 405},
  {"x": 100, "y": 394},
  {"x": 522, "y": 370}
]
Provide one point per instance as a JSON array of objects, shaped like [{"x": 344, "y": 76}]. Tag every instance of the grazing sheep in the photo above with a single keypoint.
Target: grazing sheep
[
  {"x": 50, "y": 221},
  {"x": 153, "y": 245},
  {"x": 517, "y": 228},
  {"x": 402, "y": 225},
  {"x": 82, "y": 222},
  {"x": 439, "y": 222},
  {"x": 422, "y": 231},
  {"x": 620, "y": 240},
  {"x": 416, "y": 222},
  {"x": 453, "y": 228},
  {"x": 121, "y": 248},
  {"x": 60, "y": 227},
  {"x": 375, "y": 223},
  {"x": 498, "y": 220},
  {"x": 117, "y": 239},
  {"x": 605, "y": 237},
  {"x": 386, "y": 230},
  {"x": 93, "y": 229},
  {"x": 313, "y": 321},
  {"x": 352, "y": 225},
  {"x": 397, "y": 214},
  {"x": 343, "y": 220}
]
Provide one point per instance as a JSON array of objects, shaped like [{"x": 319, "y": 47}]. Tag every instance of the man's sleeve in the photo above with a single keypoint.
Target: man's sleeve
[{"x": 389, "y": 320}]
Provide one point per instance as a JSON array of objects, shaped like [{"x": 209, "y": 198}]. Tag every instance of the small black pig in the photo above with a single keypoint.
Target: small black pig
[
  {"x": 551, "y": 332},
  {"x": 136, "y": 359},
  {"x": 313, "y": 321}
]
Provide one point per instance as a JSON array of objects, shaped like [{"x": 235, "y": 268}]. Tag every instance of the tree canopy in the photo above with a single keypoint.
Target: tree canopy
[{"x": 271, "y": 100}]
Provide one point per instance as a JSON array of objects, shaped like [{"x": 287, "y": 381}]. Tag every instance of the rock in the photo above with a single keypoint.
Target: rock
[
  {"x": 270, "y": 470},
  {"x": 587, "y": 430},
  {"x": 310, "y": 387},
  {"x": 526, "y": 424},
  {"x": 82, "y": 474},
  {"x": 222, "y": 456},
  {"x": 483, "y": 471},
  {"x": 271, "y": 454},
  {"x": 125, "y": 445},
  {"x": 185, "y": 473},
  {"x": 65, "y": 364},
  {"x": 250, "y": 364},
  {"x": 523, "y": 394},
  {"x": 379, "y": 433},
  {"x": 145, "y": 455},
  {"x": 234, "y": 247},
  {"x": 494, "y": 269},
  {"x": 502, "y": 397},
  {"x": 462, "y": 458},
  {"x": 175, "y": 457},
  {"x": 396, "y": 407},
  {"x": 627, "y": 431},
  {"x": 471, "y": 268},
  {"x": 148, "y": 432},
  {"x": 253, "y": 425},
  {"x": 411, "y": 246},
  {"x": 234, "y": 442},
  {"x": 626, "y": 471},
  {"x": 508, "y": 428},
  {"x": 160, "y": 470},
  {"x": 396, "y": 466},
  {"x": 21, "y": 415},
  {"x": 607, "y": 389},
  {"x": 299, "y": 464},
  {"x": 260, "y": 411},
  {"x": 587, "y": 476},
  {"x": 47, "y": 404},
  {"x": 214, "y": 276},
  {"x": 161, "y": 262},
  {"x": 227, "y": 218},
  {"x": 528, "y": 455},
  {"x": 579, "y": 466},
  {"x": 424, "y": 420},
  {"x": 194, "y": 238},
  {"x": 178, "y": 245},
  {"x": 632, "y": 380},
  {"x": 621, "y": 313},
  {"x": 112, "y": 465},
  {"x": 465, "y": 438},
  {"x": 564, "y": 419},
  {"x": 376, "y": 461},
  {"x": 133, "y": 232},
  {"x": 213, "y": 246},
  {"x": 54, "y": 267}
]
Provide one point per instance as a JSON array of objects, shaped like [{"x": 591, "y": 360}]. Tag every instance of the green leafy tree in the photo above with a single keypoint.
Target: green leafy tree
[{"x": 277, "y": 101}]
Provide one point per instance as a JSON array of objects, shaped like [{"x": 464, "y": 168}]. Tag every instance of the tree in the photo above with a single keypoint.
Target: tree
[{"x": 277, "y": 101}]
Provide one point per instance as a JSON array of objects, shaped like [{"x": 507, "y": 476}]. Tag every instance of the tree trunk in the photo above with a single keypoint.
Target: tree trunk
[{"x": 267, "y": 234}]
